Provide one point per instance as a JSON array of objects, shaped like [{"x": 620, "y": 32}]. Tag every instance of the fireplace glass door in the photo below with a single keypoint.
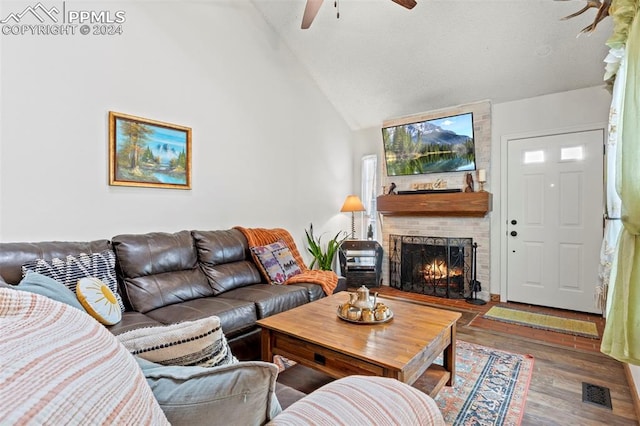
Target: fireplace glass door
[{"x": 435, "y": 266}]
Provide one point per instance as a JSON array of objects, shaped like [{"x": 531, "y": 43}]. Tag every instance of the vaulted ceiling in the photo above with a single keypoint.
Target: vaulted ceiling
[{"x": 379, "y": 60}]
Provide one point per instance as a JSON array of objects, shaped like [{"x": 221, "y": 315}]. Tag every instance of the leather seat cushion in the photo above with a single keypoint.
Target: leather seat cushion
[
  {"x": 132, "y": 320},
  {"x": 315, "y": 292},
  {"x": 271, "y": 299},
  {"x": 235, "y": 315}
]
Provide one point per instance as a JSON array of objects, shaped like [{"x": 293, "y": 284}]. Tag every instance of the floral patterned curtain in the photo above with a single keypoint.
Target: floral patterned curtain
[{"x": 621, "y": 339}]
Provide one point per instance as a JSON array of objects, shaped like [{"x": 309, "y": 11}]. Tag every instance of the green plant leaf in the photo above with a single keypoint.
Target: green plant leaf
[{"x": 323, "y": 258}]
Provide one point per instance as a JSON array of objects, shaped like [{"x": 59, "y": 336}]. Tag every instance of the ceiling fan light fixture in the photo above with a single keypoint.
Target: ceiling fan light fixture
[{"x": 312, "y": 7}]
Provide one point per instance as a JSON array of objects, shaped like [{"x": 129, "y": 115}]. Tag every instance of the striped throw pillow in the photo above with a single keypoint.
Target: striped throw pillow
[
  {"x": 60, "y": 366},
  {"x": 70, "y": 269},
  {"x": 200, "y": 342}
]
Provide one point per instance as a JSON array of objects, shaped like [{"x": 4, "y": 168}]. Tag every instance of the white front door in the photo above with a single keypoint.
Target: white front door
[{"x": 554, "y": 215}]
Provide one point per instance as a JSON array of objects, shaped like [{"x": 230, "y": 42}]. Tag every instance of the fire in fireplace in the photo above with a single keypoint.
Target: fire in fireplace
[{"x": 436, "y": 266}]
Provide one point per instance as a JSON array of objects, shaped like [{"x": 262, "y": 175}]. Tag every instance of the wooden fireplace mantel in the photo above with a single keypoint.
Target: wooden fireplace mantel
[{"x": 457, "y": 204}]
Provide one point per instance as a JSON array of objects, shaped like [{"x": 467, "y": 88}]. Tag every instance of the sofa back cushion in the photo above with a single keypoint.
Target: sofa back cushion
[
  {"x": 159, "y": 269},
  {"x": 224, "y": 258},
  {"x": 14, "y": 255}
]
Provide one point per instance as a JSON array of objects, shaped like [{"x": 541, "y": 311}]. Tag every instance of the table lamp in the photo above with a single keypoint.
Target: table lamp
[{"x": 352, "y": 204}]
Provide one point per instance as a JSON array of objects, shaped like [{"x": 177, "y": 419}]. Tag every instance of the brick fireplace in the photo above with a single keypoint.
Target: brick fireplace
[
  {"x": 445, "y": 216},
  {"x": 420, "y": 228}
]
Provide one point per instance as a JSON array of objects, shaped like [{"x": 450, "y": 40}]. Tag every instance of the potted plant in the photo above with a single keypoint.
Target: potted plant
[{"x": 323, "y": 257}]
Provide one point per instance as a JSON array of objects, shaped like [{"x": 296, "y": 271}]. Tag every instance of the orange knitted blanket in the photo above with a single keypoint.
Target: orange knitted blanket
[{"x": 328, "y": 280}]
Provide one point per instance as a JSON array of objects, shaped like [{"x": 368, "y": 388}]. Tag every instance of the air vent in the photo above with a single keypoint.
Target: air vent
[{"x": 596, "y": 395}]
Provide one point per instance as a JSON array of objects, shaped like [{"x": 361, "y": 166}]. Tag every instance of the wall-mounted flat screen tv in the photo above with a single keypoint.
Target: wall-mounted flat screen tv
[{"x": 432, "y": 146}]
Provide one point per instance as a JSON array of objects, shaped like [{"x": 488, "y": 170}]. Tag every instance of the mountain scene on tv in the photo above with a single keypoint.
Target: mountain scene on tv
[{"x": 432, "y": 146}]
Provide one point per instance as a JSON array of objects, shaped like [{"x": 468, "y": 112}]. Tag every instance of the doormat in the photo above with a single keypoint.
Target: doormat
[
  {"x": 543, "y": 321},
  {"x": 490, "y": 387}
]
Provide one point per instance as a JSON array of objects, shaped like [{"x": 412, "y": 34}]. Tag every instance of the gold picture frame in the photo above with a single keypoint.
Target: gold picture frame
[{"x": 148, "y": 153}]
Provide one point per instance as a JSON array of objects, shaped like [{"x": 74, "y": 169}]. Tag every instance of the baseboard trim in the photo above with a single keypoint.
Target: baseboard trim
[{"x": 632, "y": 389}]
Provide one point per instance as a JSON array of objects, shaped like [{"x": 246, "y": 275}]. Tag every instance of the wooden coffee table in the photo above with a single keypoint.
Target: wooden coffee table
[{"x": 403, "y": 348}]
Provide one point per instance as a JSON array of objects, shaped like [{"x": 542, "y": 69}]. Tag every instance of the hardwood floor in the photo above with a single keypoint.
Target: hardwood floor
[{"x": 561, "y": 364}]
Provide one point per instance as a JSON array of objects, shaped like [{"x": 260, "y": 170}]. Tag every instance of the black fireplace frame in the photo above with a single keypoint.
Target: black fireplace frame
[{"x": 407, "y": 279}]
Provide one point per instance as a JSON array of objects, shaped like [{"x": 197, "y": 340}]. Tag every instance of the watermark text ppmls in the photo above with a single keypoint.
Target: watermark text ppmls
[{"x": 62, "y": 19}]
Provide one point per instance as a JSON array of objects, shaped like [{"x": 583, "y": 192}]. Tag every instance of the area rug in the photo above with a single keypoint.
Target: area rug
[
  {"x": 283, "y": 363},
  {"x": 490, "y": 388},
  {"x": 543, "y": 321}
]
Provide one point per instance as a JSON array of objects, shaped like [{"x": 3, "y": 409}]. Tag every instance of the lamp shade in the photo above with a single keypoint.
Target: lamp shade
[{"x": 352, "y": 204}]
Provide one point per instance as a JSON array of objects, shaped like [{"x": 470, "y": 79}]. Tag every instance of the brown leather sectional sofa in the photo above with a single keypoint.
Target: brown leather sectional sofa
[{"x": 166, "y": 278}]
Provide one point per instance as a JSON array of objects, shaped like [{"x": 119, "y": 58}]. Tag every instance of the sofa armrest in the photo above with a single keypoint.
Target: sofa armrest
[
  {"x": 240, "y": 393},
  {"x": 363, "y": 400}
]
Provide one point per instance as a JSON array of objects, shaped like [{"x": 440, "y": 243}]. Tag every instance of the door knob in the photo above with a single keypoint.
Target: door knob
[
  {"x": 514, "y": 233},
  {"x": 514, "y": 222}
]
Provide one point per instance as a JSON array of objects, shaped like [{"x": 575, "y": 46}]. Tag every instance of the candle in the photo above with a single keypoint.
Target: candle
[{"x": 482, "y": 175}]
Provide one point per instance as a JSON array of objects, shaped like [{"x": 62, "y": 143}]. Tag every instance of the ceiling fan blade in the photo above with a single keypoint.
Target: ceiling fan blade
[
  {"x": 310, "y": 12},
  {"x": 409, "y": 4}
]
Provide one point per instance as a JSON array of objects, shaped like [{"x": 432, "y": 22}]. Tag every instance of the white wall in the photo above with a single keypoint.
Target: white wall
[{"x": 268, "y": 148}]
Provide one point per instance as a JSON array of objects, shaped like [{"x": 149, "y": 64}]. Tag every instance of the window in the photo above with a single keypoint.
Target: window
[
  {"x": 572, "y": 153},
  {"x": 369, "y": 182},
  {"x": 533, "y": 157}
]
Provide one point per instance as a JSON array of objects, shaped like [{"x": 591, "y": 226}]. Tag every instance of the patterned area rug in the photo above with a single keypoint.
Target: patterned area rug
[
  {"x": 283, "y": 363},
  {"x": 490, "y": 389},
  {"x": 543, "y": 321}
]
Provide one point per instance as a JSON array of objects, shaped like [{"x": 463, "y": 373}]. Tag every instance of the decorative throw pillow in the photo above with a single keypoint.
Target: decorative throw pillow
[
  {"x": 277, "y": 261},
  {"x": 98, "y": 300},
  {"x": 45, "y": 286},
  {"x": 70, "y": 269},
  {"x": 200, "y": 342},
  {"x": 240, "y": 394}
]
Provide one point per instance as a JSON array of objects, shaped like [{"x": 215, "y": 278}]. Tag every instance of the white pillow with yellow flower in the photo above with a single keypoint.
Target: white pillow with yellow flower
[{"x": 98, "y": 300}]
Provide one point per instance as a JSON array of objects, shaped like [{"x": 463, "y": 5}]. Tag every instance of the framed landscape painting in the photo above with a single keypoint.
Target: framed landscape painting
[{"x": 150, "y": 153}]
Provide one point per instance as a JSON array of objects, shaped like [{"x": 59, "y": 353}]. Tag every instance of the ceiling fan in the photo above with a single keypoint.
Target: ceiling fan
[{"x": 312, "y": 7}]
